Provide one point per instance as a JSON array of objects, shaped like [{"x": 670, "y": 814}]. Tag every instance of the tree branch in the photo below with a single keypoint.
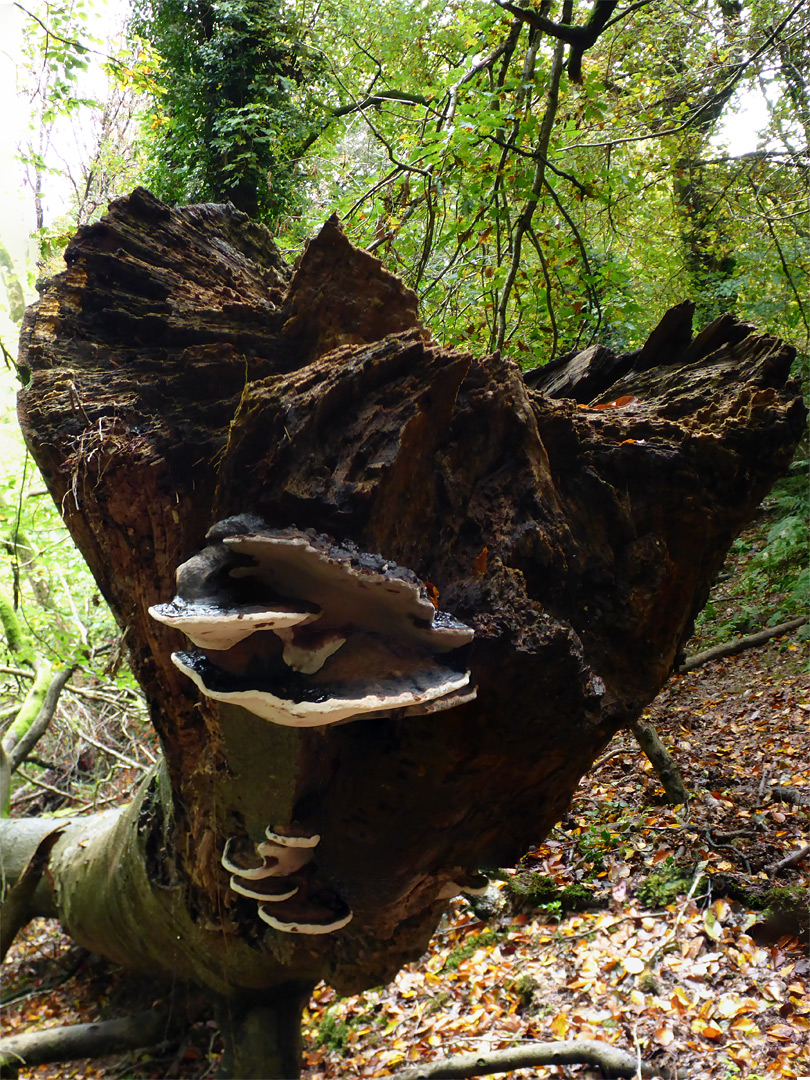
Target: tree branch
[
  {"x": 580, "y": 38},
  {"x": 18, "y": 753},
  {"x": 661, "y": 760},
  {"x": 525, "y": 219},
  {"x": 738, "y": 645},
  {"x": 610, "y": 1059},
  {"x": 723, "y": 93},
  {"x": 74, "y": 1041},
  {"x": 395, "y": 96},
  {"x": 790, "y": 860}
]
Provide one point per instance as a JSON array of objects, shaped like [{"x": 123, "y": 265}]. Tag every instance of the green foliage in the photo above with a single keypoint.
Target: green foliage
[
  {"x": 57, "y": 602},
  {"x": 608, "y": 828},
  {"x": 50, "y": 596},
  {"x": 771, "y": 565},
  {"x": 233, "y": 109},
  {"x": 80, "y": 151},
  {"x": 333, "y": 1033},
  {"x": 56, "y": 53},
  {"x": 636, "y": 208}
]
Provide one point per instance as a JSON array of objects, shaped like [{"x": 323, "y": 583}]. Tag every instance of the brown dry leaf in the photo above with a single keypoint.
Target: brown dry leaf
[
  {"x": 782, "y": 1032},
  {"x": 664, "y": 1035}
]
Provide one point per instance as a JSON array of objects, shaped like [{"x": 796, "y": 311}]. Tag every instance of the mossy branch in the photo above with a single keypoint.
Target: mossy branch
[
  {"x": 18, "y": 641},
  {"x": 31, "y": 723}
]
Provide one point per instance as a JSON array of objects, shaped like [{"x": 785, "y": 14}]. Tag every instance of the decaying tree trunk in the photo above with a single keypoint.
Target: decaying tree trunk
[{"x": 181, "y": 374}]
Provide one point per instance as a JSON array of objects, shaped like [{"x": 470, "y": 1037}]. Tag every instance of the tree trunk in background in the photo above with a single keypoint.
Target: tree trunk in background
[{"x": 180, "y": 374}]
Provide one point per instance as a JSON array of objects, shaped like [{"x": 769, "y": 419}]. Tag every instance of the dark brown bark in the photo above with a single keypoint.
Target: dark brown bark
[
  {"x": 265, "y": 1032},
  {"x": 179, "y": 375}
]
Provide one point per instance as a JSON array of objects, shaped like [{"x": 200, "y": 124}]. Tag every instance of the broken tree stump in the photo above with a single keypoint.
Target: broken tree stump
[{"x": 179, "y": 374}]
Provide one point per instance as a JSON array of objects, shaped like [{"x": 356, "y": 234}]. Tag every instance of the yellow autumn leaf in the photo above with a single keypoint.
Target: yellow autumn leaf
[
  {"x": 744, "y": 1023},
  {"x": 729, "y": 1005},
  {"x": 680, "y": 1000},
  {"x": 633, "y": 964},
  {"x": 559, "y": 1025},
  {"x": 712, "y": 925}
]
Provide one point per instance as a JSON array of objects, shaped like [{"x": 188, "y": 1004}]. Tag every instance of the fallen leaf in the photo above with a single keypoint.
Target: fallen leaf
[{"x": 633, "y": 964}]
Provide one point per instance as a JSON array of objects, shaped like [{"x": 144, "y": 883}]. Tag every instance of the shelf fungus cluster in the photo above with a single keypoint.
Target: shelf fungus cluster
[
  {"x": 274, "y": 873},
  {"x": 307, "y": 632}
]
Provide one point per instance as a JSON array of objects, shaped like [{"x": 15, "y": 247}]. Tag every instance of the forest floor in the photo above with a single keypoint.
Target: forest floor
[{"x": 634, "y": 922}]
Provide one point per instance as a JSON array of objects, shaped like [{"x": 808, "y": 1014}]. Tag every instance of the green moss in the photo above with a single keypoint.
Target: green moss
[
  {"x": 438, "y": 1002},
  {"x": 787, "y": 896},
  {"x": 664, "y": 884},
  {"x": 647, "y": 983},
  {"x": 786, "y": 914},
  {"x": 536, "y": 888},
  {"x": 524, "y": 987},
  {"x": 578, "y": 898},
  {"x": 471, "y": 945},
  {"x": 530, "y": 890}
]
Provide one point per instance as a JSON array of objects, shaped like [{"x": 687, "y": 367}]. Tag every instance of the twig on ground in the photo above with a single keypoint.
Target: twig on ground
[
  {"x": 661, "y": 760},
  {"x": 86, "y": 1040},
  {"x": 619, "y": 919},
  {"x": 12, "y": 997},
  {"x": 790, "y": 795},
  {"x": 790, "y": 860},
  {"x": 55, "y": 790},
  {"x": 605, "y": 758}
]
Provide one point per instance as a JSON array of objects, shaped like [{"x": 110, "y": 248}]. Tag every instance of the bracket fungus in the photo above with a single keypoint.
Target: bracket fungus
[
  {"x": 270, "y": 872},
  {"x": 320, "y": 913},
  {"x": 305, "y": 631}
]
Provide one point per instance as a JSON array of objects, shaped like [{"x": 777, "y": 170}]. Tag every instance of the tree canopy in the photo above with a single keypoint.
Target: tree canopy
[{"x": 538, "y": 176}]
